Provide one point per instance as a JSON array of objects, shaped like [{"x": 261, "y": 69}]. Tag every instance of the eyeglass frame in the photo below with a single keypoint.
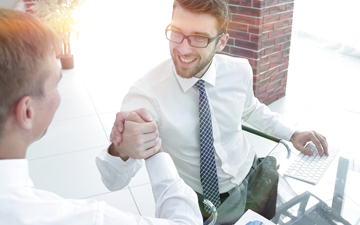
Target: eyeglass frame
[{"x": 187, "y": 37}]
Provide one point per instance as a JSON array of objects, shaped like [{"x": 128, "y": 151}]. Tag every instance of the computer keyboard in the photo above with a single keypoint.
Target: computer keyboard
[{"x": 311, "y": 168}]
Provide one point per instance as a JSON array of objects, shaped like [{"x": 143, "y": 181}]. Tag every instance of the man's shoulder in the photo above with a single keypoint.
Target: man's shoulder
[
  {"x": 234, "y": 64},
  {"x": 226, "y": 59},
  {"x": 155, "y": 76}
]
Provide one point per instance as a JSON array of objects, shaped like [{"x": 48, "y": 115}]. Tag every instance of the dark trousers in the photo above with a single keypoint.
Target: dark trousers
[{"x": 261, "y": 183}]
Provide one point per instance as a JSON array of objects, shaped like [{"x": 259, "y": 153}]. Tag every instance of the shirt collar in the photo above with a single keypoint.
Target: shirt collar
[
  {"x": 187, "y": 83},
  {"x": 15, "y": 172}
]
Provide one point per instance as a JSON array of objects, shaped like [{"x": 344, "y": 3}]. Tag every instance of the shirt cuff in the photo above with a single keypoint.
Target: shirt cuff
[
  {"x": 283, "y": 131},
  {"x": 117, "y": 160},
  {"x": 160, "y": 167}
]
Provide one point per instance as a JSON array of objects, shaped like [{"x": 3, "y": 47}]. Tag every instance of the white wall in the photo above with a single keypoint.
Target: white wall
[{"x": 330, "y": 23}]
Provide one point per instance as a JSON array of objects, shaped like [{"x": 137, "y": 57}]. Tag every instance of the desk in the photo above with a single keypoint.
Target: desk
[{"x": 290, "y": 189}]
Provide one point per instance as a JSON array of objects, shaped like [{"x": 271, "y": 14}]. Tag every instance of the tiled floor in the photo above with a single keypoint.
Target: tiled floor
[{"x": 116, "y": 49}]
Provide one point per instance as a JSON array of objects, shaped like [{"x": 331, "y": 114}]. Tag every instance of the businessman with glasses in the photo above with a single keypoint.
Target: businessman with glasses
[{"x": 198, "y": 100}]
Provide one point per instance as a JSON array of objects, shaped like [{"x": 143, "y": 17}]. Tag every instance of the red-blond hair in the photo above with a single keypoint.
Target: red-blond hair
[
  {"x": 25, "y": 43},
  {"x": 217, "y": 8}
]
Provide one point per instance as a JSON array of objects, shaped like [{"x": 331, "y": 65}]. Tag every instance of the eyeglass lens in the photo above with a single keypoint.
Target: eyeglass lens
[{"x": 196, "y": 41}]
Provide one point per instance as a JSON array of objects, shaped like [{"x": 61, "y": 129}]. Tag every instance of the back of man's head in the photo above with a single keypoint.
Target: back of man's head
[
  {"x": 25, "y": 42},
  {"x": 217, "y": 8}
]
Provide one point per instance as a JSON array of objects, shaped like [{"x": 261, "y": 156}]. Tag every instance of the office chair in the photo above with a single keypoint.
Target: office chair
[{"x": 215, "y": 213}]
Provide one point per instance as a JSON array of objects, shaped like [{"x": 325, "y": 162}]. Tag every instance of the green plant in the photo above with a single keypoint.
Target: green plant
[{"x": 59, "y": 14}]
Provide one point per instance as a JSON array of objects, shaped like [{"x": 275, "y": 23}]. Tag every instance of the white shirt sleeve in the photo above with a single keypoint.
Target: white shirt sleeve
[
  {"x": 21, "y": 203},
  {"x": 173, "y": 198},
  {"x": 115, "y": 173},
  {"x": 175, "y": 202},
  {"x": 261, "y": 117}
]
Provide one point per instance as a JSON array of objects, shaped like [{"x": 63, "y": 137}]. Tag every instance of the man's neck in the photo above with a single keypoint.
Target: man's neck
[{"x": 12, "y": 148}]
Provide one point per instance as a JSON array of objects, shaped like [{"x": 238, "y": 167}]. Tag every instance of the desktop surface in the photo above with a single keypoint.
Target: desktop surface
[
  {"x": 317, "y": 199},
  {"x": 325, "y": 188}
]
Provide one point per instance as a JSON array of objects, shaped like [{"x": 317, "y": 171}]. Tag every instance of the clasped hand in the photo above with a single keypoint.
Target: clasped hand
[{"x": 134, "y": 135}]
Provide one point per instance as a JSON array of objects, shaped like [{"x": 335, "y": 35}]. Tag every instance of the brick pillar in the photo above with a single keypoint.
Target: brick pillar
[{"x": 260, "y": 31}]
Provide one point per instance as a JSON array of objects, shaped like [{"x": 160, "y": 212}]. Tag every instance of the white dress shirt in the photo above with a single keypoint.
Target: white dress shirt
[
  {"x": 21, "y": 203},
  {"x": 172, "y": 101}
]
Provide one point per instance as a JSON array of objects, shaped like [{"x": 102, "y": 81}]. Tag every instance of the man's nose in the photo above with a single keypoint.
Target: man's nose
[{"x": 184, "y": 48}]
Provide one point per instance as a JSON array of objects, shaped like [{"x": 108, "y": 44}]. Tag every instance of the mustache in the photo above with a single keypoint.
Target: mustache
[{"x": 191, "y": 55}]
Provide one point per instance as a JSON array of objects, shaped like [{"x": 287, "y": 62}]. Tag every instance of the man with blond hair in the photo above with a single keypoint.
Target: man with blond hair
[{"x": 29, "y": 98}]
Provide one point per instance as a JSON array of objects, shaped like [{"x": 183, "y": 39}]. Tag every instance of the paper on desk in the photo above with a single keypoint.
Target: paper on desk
[{"x": 252, "y": 218}]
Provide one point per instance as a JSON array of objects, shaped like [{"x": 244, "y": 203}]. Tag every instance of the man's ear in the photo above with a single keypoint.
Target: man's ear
[
  {"x": 25, "y": 112},
  {"x": 222, "y": 42}
]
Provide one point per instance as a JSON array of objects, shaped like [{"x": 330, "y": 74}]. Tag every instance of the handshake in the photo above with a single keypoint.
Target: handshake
[{"x": 134, "y": 135}]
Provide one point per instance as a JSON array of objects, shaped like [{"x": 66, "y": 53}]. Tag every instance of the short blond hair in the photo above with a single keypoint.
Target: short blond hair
[
  {"x": 217, "y": 8},
  {"x": 25, "y": 43}
]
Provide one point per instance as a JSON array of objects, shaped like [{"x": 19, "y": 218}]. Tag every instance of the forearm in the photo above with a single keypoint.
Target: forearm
[
  {"x": 262, "y": 118},
  {"x": 115, "y": 173},
  {"x": 173, "y": 198},
  {"x": 270, "y": 123}
]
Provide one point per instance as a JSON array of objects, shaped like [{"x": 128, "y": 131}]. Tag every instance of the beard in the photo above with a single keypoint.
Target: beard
[{"x": 192, "y": 72}]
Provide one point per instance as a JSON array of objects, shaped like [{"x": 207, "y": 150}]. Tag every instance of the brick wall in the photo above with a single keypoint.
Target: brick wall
[{"x": 260, "y": 30}]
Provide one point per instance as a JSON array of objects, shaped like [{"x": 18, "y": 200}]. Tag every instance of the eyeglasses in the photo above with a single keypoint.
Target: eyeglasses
[{"x": 193, "y": 40}]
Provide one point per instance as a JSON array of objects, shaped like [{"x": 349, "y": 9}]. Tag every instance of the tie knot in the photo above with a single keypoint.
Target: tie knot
[{"x": 200, "y": 85}]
